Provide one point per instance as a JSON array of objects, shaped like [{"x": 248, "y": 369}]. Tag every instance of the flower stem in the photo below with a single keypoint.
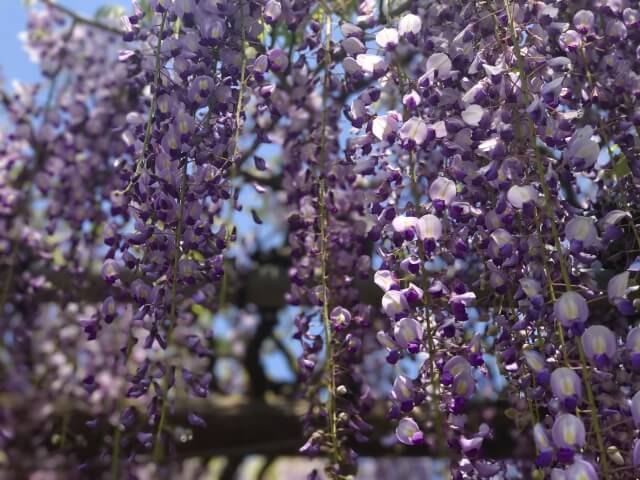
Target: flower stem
[{"x": 324, "y": 220}]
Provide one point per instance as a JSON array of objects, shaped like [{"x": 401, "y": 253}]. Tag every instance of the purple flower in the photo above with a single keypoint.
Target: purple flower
[
  {"x": 471, "y": 446},
  {"x": 403, "y": 223},
  {"x": 278, "y": 60},
  {"x": 571, "y": 308},
  {"x": 412, "y": 100},
  {"x": 429, "y": 227},
  {"x": 633, "y": 345},
  {"x": 543, "y": 445},
  {"x": 272, "y": 11},
  {"x": 196, "y": 421},
  {"x": 384, "y": 127},
  {"x": 456, "y": 365},
  {"x": 583, "y": 230},
  {"x": 413, "y": 293},
  {"x": 500, "y": 244},
  {"x": 402, "y": 393},
  {"x": 386, "y": 280},
  {"x": 200, "y": 89},
  {"x": 409, "y": 26},
  {"x": 438, "y": 67},
  {"x": 599, "y": 344},
  {"x": 581, "y": 470},
  {"x": 110, "y": 270},
  {"x": 340, "y": 317},
  {"x": 411, "y": 264},
  {"x": 568, "y": 432},
  {"x": 551, "y": 90},
  {"x": 408, "y": 334},
  {"x": 583, "y": 21},
  {"x": 408, "y": 432},
  {"x": 534, "y": 360},
  {"x": 353, "y": 46},
  {"x": 413, "y": 132},
  {"x": 520, "y": 196},
  {"x": 570, "y": 41},
  {"x": 373, "y": 65},
  {"x": 109, "y": 309},
  {"x": 472, "y": 115},
  {"x": 353, "y": 68},
  {"x": 566, "y": 385},
  {"x": 582, "y": 152},
  {"x": 616, "y": 31},
  {"x": 394, "y": 303},
  {"x": 464, "y": 385},
  {"x": 617, "y": 290},
  {"x": 442, "y": 191},
  {"x": 385, "y": 340},
  {"x": 387, "y": 38},
  {"x": 213, "y": 31}
]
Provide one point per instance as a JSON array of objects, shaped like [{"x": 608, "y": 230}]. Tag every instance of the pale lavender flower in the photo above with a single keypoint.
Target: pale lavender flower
[
  {"x": 272, "y": 11},
  {"x": 442, "y": 192},
  {"x": 617, "y": 290},
  {"x": 387, "y": 38},
  {"x": 429, "y": 227},
  {"x": 599, "y": 344},
  {"x": 568, "y": 432},
  {"x": 583, "y": 21},
  {"x": 413, "y": 132},
  {"x": 408, "y": 334},
  {"x": 566, "y": 386},
  {"x": 409, "y": 26},
  {"x": 581, "y": 231},
  {"x": 581, "y": 470},
  {"x": 340, "y": 317},
  {"x": 386, "y": 280},
  {"x": 394, "y": 303},
  {"x": 408, "y": 432},
  {"x": 519, "y": 196},
  {"x": 570, "y": 309},
  {"x": 438, "y": 67}
]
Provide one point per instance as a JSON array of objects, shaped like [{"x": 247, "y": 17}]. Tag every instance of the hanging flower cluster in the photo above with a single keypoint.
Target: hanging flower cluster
[
  {"x": 458, "y": 186},
  {"x": 509, "y": 189}
]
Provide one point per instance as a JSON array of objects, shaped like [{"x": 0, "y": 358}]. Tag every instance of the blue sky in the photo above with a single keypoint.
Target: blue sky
[{"x": 14, "y": 60}]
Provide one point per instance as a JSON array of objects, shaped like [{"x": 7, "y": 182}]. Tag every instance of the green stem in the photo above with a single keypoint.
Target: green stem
[
  {"x": 115, "y": 454},
  {"x": 330, "y": 363}
]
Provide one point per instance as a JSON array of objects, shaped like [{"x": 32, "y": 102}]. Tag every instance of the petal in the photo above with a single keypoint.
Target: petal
[
  {"x": 429, "y": 227},
  {"x": 438, "y": 64}
]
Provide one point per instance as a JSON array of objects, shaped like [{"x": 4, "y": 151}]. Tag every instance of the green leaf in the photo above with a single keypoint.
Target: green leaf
[{"x": 621, "y": 167}]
